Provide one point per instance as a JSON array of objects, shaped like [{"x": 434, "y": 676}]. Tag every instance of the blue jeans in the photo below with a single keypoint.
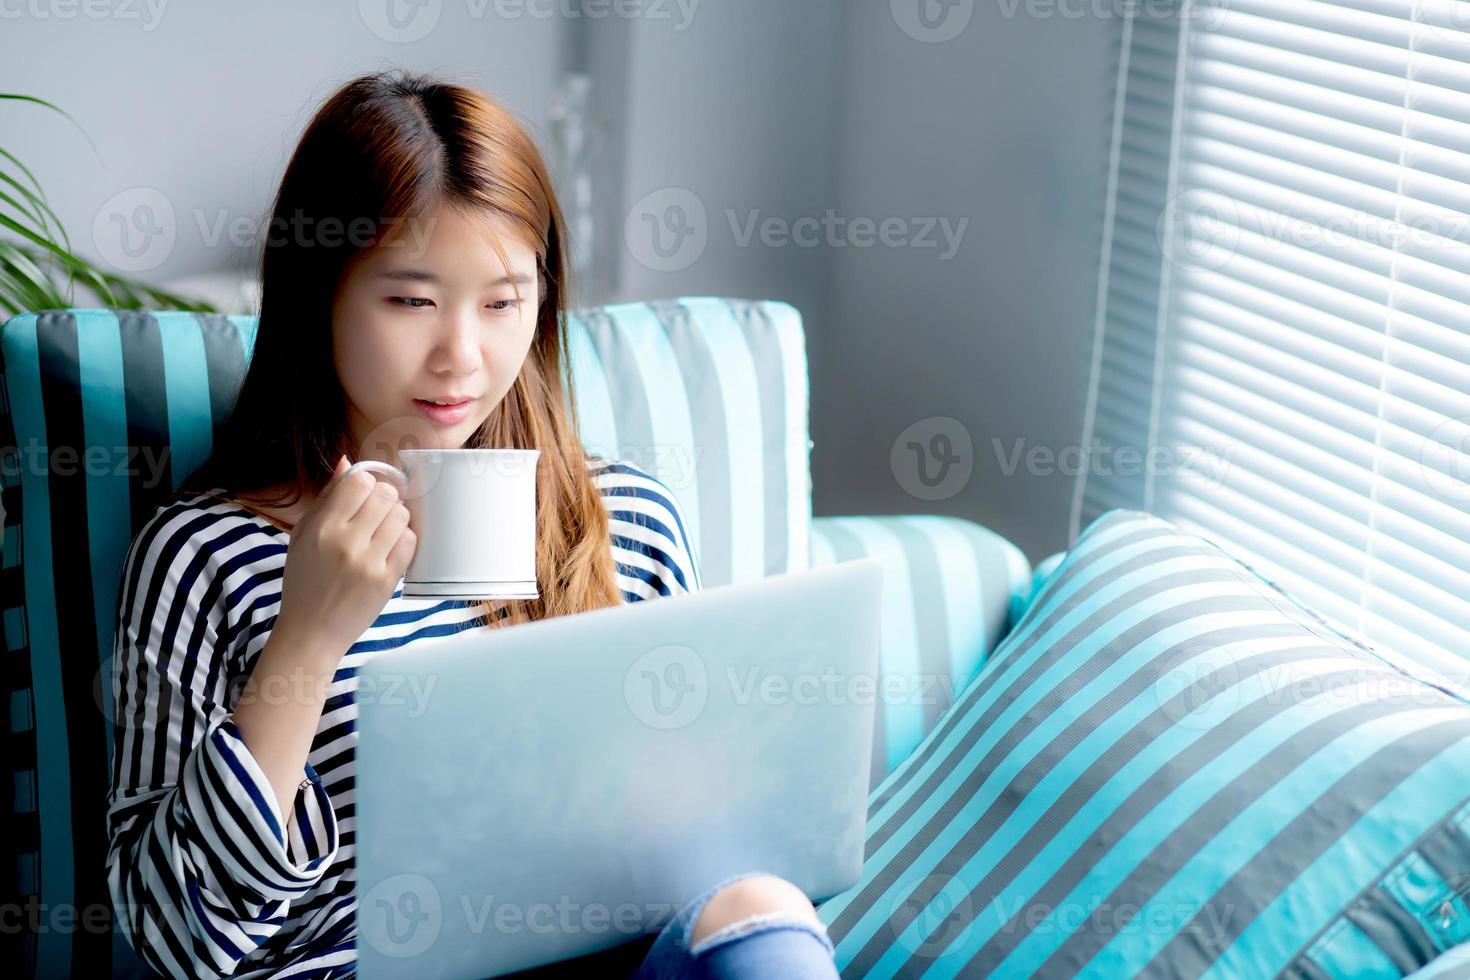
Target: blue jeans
[{"x": 760, "y": 946}]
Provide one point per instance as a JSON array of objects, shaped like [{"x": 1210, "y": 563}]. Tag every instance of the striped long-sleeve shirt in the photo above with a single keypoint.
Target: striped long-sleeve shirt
[{"x": 202, "y": 872}]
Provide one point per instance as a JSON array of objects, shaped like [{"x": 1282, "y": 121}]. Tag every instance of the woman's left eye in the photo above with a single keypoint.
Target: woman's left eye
[{"x": 509, "y": 305}]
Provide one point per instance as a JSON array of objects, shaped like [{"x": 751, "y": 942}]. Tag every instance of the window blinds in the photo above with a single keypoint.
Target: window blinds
[{"x": 1282, "y": 350}]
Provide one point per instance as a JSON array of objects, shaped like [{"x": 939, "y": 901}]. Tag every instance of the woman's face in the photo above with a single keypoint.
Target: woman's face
[{"x": 431, "y": 316}]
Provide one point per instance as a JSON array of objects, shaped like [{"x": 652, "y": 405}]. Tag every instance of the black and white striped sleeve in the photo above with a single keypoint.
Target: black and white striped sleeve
[
  {"x": 650, "y": 535},
  {"x": 201, "y": 865}
]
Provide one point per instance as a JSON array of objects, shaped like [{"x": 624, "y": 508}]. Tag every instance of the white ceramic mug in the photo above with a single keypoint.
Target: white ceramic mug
[{"x": 474, "y": 511}]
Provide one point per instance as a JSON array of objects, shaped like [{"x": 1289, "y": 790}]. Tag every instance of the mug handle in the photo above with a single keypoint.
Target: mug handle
[{"x": 378, "y": 466}]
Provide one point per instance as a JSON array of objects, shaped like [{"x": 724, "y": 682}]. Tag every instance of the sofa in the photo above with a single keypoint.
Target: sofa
[
  {"x": 1141, "y": 758},
  {"x": 104, "y": 412}
]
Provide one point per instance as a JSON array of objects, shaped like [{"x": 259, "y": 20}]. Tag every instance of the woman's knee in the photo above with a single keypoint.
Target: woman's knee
[{"x": 756, "y": 895}]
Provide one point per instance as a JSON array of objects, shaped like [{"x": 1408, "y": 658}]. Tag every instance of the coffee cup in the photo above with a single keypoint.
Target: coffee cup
[{"x": 474, "y": 511}]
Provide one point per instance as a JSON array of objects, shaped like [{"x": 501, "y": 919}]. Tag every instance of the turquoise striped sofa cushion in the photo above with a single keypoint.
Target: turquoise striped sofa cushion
[
  {"x": 951, "y": 591},
  {"x": 1170, "y": 769},
  {"x": 105, "y": 412},
  {"x": 710, "y": 396}
]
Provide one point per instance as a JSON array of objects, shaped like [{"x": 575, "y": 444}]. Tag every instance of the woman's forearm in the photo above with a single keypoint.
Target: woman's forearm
[{"x": 280, "y": 707}]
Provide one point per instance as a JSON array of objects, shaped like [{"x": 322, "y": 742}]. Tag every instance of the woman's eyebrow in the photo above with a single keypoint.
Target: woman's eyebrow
[{"x": 423, "y": 275}]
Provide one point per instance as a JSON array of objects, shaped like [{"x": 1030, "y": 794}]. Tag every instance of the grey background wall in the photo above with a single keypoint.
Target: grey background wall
[
  {"x": 733, "y": 117},
  {"x": 773, "y": 129},
  {"x": 1005, "y": 125}
]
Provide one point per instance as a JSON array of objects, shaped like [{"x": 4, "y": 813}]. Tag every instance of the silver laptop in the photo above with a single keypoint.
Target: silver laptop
[{"x": 561, "y": 787}]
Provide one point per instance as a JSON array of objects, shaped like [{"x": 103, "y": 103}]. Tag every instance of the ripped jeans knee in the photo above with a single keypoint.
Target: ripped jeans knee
[
  {"x": 775, "y": 943},
  {"x": 761, "y": 922}
]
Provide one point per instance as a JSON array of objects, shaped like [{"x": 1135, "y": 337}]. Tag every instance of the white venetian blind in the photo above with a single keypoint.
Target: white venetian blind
[{"x": 1283, "y": 335}]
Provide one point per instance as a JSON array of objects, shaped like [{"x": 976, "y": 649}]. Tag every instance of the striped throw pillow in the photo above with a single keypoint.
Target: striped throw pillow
[{"x": 1170, "y": 769}]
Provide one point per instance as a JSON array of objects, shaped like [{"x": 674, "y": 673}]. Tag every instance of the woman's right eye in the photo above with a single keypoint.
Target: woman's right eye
[{"x": 412, "y": 302}]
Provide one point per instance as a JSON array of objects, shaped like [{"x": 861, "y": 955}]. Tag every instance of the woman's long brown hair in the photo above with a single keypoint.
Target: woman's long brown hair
[{"x": 386, "y": 149}]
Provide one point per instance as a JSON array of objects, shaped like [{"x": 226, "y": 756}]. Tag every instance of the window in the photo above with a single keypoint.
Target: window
[{"x": 1282, "y": 356}]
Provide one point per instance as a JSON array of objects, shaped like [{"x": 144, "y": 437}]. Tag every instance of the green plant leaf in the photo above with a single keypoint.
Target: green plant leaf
[
  {"x": 98, "y": 282},
  {"x": 41, "y": 210},
  {"x": 25, "y": 284},
  {"x": 37, "y": 219},
  {"x": 17, "y": 295},
  {"x": 32, "y": 98},
  {"x": 55, "y": 108},
  {"x": 47, "y": 244},
  {"x": 24, "y": 169}
]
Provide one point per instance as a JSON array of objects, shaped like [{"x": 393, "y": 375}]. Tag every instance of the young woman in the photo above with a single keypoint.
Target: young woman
[{"x": 413, "y": 293}]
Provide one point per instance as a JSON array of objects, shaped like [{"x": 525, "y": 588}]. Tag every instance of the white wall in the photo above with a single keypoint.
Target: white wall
[{"x": 200, "y": 105}]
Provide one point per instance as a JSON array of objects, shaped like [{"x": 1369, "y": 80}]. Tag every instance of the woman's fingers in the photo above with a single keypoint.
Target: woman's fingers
[
  {"x": 342, "y": 496},
  {"x": 389, "y": 530},
  {"x": 402, "y": 551},
  {"x": 380, "y": 500}
]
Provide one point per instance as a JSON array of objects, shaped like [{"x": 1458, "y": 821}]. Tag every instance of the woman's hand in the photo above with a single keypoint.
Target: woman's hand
[{"x": 347, "y": 552}]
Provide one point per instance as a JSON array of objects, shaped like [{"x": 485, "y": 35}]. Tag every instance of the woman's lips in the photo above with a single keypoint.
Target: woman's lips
[{"x": 444, "y": 414}]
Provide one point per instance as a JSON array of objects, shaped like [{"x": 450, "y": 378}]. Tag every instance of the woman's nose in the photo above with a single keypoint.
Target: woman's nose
[{"x": 458, "y": 350}]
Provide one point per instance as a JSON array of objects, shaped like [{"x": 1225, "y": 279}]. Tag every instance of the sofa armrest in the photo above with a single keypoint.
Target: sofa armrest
[{"x": 951, "y": 591}]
